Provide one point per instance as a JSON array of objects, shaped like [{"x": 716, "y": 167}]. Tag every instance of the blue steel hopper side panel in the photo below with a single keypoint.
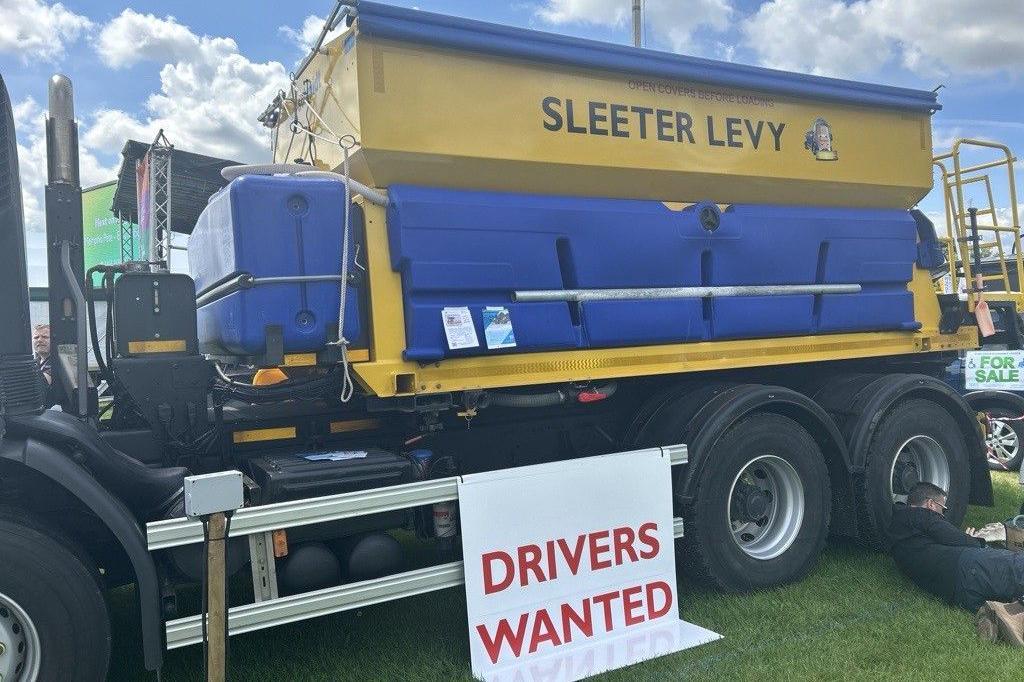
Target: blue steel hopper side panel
[
  {"x": 875, "y": 248},
  {"x": 275, "y": 226},
  {"x": 458, "y": 248},
  {"x": 398, "y": 23}
]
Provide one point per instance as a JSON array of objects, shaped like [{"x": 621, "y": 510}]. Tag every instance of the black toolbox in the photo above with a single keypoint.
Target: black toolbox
[{"x": 300, "y": 475}]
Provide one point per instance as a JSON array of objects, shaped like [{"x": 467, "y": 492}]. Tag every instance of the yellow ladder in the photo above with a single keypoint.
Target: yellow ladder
[{"x": 959, "y": 246}]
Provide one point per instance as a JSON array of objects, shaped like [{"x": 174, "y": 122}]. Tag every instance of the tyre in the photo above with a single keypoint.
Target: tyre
[
  {"x": 760, "y": 516},
  {"x": 917, "y": 440},
  {"x": 1003, "y": 439},
  {"x": 53, "y": 618}
]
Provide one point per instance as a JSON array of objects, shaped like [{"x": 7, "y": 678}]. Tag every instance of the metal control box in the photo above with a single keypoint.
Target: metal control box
[{"x": 212, "y": 493}]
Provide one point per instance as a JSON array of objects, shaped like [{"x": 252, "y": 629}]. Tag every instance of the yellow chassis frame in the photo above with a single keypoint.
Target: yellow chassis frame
[{"x": 386, "y": 374}]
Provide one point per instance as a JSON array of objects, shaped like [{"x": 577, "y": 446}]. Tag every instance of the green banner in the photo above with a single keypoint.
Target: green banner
[{"x": 101, "y": 229}]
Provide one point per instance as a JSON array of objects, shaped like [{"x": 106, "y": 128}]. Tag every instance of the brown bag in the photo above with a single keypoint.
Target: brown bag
[
  {"x": 997, "y": 621},
  {"x": 1014, "y": 538}
]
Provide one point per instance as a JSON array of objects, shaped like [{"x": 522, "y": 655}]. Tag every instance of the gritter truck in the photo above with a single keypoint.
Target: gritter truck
[{"x": 475, "y": 247}]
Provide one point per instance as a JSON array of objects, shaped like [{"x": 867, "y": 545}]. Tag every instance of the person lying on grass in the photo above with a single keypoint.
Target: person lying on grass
[{"x": 946, "y": 561}]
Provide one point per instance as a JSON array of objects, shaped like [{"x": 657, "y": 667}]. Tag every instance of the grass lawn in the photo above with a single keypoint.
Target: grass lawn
[{"x": 854, "y": 617}]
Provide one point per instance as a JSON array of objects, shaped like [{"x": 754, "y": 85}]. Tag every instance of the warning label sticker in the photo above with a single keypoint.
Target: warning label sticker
[{"x": 458, "y": 328}]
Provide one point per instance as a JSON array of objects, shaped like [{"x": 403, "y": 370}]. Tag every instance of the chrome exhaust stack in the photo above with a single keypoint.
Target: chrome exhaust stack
[{"x": 68, "y": 322}]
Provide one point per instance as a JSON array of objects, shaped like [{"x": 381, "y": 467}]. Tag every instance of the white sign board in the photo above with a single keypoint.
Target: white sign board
[
  {"x": 570, "y": 568},
  {"x": 994, "y": 370}
]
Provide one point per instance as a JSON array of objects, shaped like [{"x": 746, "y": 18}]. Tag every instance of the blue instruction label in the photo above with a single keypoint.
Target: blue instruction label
[{"x": 498, "y": 332}]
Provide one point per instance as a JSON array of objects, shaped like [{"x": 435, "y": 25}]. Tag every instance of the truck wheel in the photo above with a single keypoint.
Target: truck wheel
[
  {"x": 761, "y": 513},
  {"x": 918, "y": 440},
  {"x": 53, "y": 618},
  {"x": 1003, "y": 440}
]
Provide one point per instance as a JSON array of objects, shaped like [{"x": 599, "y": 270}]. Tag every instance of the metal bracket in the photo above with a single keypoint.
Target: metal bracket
[{"x": 264, "y": 568}]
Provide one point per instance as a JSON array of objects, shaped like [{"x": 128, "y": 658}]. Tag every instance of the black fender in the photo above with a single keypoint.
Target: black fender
[
  {"x": 978, "y": 400},
  {"x": 59, "y": 467},
  {"x": 727, "y": 407},
  {"x": 874, "y": 395}
]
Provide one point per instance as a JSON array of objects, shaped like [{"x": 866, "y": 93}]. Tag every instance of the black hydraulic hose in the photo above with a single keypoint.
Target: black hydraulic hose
[
  {"x": 546, "y": 399},
  {"x": 108, "y": 339},
  {"x": 93, "y": 334},
  {"x": 976, "y": 249},
  {"x": 520, "y": 400},
  {"x": 310, "y": 388}
]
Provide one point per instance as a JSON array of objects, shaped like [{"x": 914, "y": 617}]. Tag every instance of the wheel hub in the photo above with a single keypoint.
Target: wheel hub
[
  {"x": 905, "y": 477},
  {"x": 920, "y": 458},
  {"x": 753, "y": 503},
  {"x": 766, "y": 507},
  {"x": 19, "y": 643}
]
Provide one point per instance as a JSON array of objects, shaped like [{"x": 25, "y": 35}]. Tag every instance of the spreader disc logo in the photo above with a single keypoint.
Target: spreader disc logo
[{"x": 819, "y": 140}]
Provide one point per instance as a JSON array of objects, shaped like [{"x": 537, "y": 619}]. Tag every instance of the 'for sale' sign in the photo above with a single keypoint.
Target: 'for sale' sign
[
  {"x": 570, "y": 567},
  {"x": 994, "y": 370}
]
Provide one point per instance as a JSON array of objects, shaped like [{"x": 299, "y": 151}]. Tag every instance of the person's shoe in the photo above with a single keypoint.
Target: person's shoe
[
  {"x": 1010, "y": 621},
  {"x": 985, "y": 623}
]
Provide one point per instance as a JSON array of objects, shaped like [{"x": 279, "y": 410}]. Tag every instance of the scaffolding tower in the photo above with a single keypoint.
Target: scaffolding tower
[
  {"x": 127, "y": 237},
  {"x": 158, "y": 232}
]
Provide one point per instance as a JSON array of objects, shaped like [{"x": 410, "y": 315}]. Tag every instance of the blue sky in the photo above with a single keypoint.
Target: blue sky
[{"x": 203, "y": 70}]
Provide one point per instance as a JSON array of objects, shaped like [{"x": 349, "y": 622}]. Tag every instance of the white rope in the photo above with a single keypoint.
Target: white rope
[
  {"x": 310, "y": 133},
  {"x": 347, "y": 143},
  {"x": 347, "y": 386},
  {"x": 323, "y": 122}
]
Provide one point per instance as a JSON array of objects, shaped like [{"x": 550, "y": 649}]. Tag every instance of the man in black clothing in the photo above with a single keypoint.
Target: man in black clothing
[
  {"x": 946, "y": 561},
  {"x": 41, "y": 352}
]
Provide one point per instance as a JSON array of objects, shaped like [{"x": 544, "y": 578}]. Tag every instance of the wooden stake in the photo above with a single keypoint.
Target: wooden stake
[{"x": 216, "y": 600}]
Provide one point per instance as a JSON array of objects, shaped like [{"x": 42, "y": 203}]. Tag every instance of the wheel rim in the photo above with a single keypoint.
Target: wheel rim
[
  {"x": 19, "y": 640},
  {"x": 920, "y": 458},
  {"x": 766, "y": 507},
  {"x": 1002, "y": 441}
]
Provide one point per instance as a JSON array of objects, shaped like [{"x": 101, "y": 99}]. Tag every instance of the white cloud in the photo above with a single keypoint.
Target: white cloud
[
  {"x": 986, "y": 123},
  {"x": 305, "y": 36},
  {"x": 928, "y": 37},
  {"x": 209, "y": 97},
  {"x": 35, "y": 30},
  {"x": 132, "y": 37},
  {"x": 938, "y": 36},
  {"x": 943, "y": 136},
  {"x": 669, "y": 21},
  {"x": 824, "y": 37},
  {"x": 29, "y": 122}
]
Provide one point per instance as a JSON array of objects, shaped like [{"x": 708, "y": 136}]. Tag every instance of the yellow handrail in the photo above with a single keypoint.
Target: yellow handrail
[{"x": 957, "y": 228}]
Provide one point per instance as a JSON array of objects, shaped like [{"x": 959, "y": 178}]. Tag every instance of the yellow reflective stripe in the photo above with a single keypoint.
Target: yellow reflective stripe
[
  {"x": 255, "y": 435},
  {"x": 166, "y": 346},
  {"x": 354, "y": 425},
  {"x": 299, "y": 360}
]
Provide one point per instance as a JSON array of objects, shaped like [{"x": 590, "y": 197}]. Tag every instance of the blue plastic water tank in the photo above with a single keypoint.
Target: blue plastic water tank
[
  {"x": 470, "y": 249},
  {"x": 272, "y": 226}
]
